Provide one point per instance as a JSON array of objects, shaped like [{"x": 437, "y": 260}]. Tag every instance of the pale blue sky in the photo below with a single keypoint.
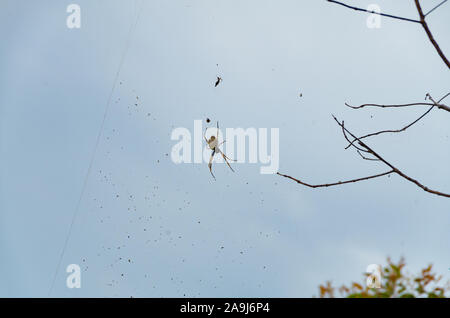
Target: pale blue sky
[{"x": 171, "y": 221}]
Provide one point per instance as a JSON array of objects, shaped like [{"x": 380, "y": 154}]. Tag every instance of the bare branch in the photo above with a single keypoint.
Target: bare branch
[
  {"x": 440, "y": 106},
  {"x": 351, "y": 143},
  {"x": 336, "y": 183},
  {"x": 430, "y": 36},
  {"x": 405, "y": 127},
  {"x": 393, "y": 131},
  {"x": 396, "y": 170},
  {"x": 421, "y": 21},
  {"x": 387, "y": 106},
  {"x": 373, "y": 12},
  {"x": 377, "y": 157},
  {"x": 436, "y": 7},
  {"x": 366, "y": 158},
  {"x": 437, "y": 103},
  {"x": 445, "y": 96}
]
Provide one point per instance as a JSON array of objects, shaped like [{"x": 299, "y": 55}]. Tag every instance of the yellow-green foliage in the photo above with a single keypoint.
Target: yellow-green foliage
[{"x": 394, "y": 283}]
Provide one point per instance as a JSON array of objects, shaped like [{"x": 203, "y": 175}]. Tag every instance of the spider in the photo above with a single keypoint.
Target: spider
[{"x": 214, "y": 146}]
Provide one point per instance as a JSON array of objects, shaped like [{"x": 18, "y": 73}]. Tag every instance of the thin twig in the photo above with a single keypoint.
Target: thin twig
[
  {"x": 373, "y": 12},
  {"x": 366, "y": 158},
  {"x": 430, "y": 35},
  {"x": 436, "y": 7},
  {"x": 421, "y": 21},
  {"x": 351, "y": 143},
  {"x": 428, "y": 96},
  {"x": 445, "y": 96},
  {"x": 386, "y": 106},
  {"x": 393, "y": 131},
  {"x": 396, "y": 170},
  {"x": 440, "y": 106},
  {"x": 377, "y": 156},
  {"x": 336, "y": 183}
]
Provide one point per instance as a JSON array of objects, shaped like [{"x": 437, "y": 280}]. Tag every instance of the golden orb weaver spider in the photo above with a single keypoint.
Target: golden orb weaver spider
[{"x": 213, "y": 143}]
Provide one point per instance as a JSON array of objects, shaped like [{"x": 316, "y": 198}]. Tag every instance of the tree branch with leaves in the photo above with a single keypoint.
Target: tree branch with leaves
[{"x": 394, "y": 283}]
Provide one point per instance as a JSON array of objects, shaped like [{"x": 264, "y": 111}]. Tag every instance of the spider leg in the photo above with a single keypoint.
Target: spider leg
[
  {"x": 224, "y": 154},
  {"x": 204, "y": 135},
  {"x": 228, "y": 157},
  {"x": 217, "y": 131},
  {"x": 210, "y": 163},
  {"x": 225, "y": 158}
]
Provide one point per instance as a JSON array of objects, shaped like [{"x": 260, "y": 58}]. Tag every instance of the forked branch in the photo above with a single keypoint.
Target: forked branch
[
  {"x": 434, "y": 104},
  {"x": 429, "y": 34},
  {"x": 362, "y": 146},
  {"x": 374, "y": 12},
  {"x": 421, "y": 22}
]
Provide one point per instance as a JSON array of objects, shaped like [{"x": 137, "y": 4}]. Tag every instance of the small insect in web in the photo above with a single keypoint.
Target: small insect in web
[
  {"x": 213, "y": 143},
  {"x": 219, "y": 79}
]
